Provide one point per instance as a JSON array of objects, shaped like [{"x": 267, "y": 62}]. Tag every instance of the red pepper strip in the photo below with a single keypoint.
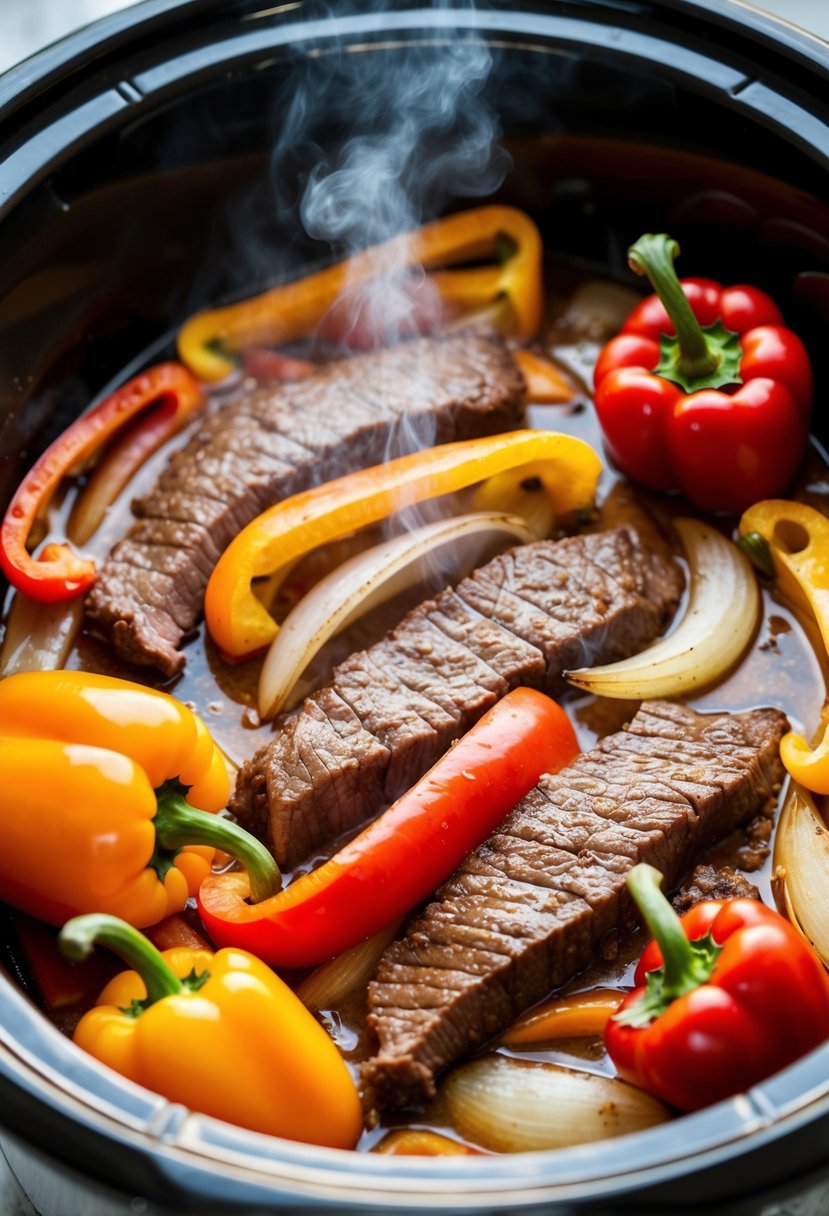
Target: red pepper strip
[
  {"x": 726, "y": 1009},
  {"x": 665, "y": 421},
  {"x": 401, "y": 857},
  {"x": 60, "y": 574},
  {"x": 60, "y": 984}
]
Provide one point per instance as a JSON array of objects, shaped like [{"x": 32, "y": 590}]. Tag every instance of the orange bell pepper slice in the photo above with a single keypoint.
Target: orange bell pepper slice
[
  {"x": 581, "y": 1015},
  {"x": 240, "y": 624},
  {"x": 208, "y": 340}
]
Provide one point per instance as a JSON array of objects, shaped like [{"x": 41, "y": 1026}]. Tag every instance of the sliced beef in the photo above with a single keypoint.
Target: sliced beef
[
  {"x": 391, "y": 711},
  {"x": 276, "y": 442},
  {"x": 531, "y": 906}
]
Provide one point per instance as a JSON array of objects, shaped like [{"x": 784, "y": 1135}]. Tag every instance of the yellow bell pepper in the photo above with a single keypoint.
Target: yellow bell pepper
[
  {"x": 95, "y": 772},
  {"x": 797, "y": 537},
  {"x": 240, "y": 624},
  {"x": 294, "y": 310},
  {"x": 218, "y": 1033}
]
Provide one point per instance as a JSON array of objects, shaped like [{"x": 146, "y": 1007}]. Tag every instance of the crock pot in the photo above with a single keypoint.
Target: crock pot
[{"x": 138, "y": 184}]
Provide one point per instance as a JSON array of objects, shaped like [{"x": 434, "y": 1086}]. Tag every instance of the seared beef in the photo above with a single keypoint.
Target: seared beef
[
  {"x": 391, "y": 711},
  {"x": 530, "y": 907},
  {"x": 713, "y": 882},
  {"x": 276, "y": 442}
]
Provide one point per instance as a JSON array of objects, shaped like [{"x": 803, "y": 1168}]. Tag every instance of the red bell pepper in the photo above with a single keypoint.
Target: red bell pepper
[
  {"x": 740, "y": 995},
  {"x": 59, "y": 573},
  {"x": 704, "y": 390},
  {"x": 400, "y": 858}
]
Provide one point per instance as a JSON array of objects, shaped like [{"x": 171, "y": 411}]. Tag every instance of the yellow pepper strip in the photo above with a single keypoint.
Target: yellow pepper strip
[
  {"x": 546, "y": 385},
  {"x": 798, "y": 539},
  {"x": 411, "y": 1142},
  {"x": 240, "y": 624},
  {"x": 95, "y": 772},
  {"x": 571, "y": 1017},
  {"x": 218, "y": 1033},
  {"x": 293, "y": 310}
]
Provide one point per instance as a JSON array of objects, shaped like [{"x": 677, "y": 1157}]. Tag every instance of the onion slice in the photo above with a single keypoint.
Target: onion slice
[
  {"x": 718, "y": 625},
  {"x": 39, "y": 637},
  {"x": 801, "y": 868},
  {"x": 518, "y": 1106},
  {"x": 327, "y": 986},
  {"x": 364, "y": 582}
]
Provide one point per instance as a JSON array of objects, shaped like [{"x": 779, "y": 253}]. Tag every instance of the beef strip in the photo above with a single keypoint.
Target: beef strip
[
  {"x": 276, "y": 442},
  {"x": 531, "y": 906},
  {"x": 391, "y": 711}
]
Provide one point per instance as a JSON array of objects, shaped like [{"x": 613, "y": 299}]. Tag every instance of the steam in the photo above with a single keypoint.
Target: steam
[
  {"x": 416, "y": 134},
  {"x": 430, "y": 139},
  {"x": 419, "y": 134}
]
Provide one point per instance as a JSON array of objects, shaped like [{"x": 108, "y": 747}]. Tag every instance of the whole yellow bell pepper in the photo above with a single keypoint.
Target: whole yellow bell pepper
[
  {"x": 108, "y": 794},
  {"x": 239, "y": 622},
  {"x": 218, "y": 1033},
  {"x": 796, "y": 537},
  {"x": 208, "y": 340}
]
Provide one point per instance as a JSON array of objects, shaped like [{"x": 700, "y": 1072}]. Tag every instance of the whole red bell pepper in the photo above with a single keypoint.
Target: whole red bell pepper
[
  {"x": 704, "y": 390},
  {"x": 739, "y": 995},
  {"x": 401, "y": 857}
]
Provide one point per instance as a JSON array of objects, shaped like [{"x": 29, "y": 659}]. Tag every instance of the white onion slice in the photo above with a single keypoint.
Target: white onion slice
[
  {"x": 363, "y": 583},
  {"x": 801, "y": 868},
  {"x": 39, "y": 637},
  {"x": 518, "y": 1106},
  {"x": 718, "y": 624},
  {"x": 330, "y": 984}
]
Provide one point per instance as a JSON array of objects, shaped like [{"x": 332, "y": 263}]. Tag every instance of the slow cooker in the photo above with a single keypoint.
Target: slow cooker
[{"x": 153, "y": 163}]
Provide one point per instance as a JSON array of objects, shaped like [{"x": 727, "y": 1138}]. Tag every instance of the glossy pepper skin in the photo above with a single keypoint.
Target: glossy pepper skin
[
  {"x": 218, "y": 1033},
  {"x": 239, "y": 622},
  {"x": 790, "y": 542},
  {"x": 171, "y": 393},
  {"x": 704, "y": 390},
  {"x": 747, "y": 998},
  {"x": 400, "y": 858},
  {"x": 94, "y": 772},
  {"x": 503, "y": 238}
]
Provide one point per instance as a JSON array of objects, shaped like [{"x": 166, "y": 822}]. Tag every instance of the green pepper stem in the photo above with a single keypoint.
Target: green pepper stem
[
  {"x": 684, "y": 968},
  {"x": 178, "y": 824},
  {"x": 653, "y": 255},
  {"x": 79, "y": 935}
]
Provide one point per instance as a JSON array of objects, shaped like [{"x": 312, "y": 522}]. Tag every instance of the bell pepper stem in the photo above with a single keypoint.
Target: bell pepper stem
[
  {"x": 79, "y": 935},
  {"x": 653, "y": 255},
  {"x": 684, "y": 968},
  {"x": 178, "y": 824}
]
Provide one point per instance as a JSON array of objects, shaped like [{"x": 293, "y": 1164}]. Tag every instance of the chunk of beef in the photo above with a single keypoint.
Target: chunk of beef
[
  {"x": 531, "y": 906},
  {"x": 274, "y": 443},
  {"x": 713, "y": 882},
  {"x": 391, "y": 711}
]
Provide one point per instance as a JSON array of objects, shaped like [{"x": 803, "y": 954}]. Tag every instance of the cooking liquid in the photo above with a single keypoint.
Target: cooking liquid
[{"x": 781, "y": 668}]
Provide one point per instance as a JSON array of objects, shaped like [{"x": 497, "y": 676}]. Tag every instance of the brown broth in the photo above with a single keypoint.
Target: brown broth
[{"x": 781, "y": 668}]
